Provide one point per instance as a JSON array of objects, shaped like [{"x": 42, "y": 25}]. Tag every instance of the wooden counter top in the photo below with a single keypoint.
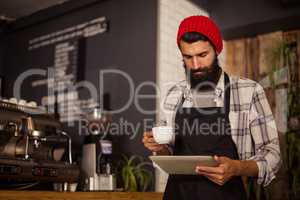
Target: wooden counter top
[{"x": 41, "y": 195}]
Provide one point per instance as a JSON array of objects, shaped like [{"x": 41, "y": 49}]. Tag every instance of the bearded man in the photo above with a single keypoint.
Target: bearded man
[{"x": 242, "y": 135}]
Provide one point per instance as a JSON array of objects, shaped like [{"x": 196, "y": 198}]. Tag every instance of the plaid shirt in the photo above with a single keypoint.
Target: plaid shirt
[{"x": 253, "y": 127}]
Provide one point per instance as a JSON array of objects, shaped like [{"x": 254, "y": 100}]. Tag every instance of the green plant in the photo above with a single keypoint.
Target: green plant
[
  {"x": 293, "y": 135},
  {"x": 293, "y": 161},
  {"x": 133, "y": 174},
  {"x": 277, "y": 58},
  {"x": 284, "y": 54},
  {"x": 255, "y": 191}
]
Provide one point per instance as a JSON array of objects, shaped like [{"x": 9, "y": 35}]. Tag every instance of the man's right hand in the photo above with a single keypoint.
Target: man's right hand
[{"x": 153, "y": 146}]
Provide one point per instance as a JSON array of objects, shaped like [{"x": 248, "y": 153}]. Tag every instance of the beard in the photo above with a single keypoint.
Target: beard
[{"x": 208, "y": 77}]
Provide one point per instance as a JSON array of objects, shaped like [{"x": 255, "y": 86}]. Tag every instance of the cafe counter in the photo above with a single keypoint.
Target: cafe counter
[{"x": 41, "y": 195}]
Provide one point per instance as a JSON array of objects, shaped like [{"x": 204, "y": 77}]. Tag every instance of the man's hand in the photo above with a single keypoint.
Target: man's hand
[
  {"x": 153, "y": 146},
  {"x": 226, "y": 169}
]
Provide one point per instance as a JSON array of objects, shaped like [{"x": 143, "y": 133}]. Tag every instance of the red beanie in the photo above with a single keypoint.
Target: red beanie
[{"x": 203, "y": 25}]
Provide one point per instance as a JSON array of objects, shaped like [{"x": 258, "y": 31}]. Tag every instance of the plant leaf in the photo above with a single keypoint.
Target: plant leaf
[
  {"x": 131, "y": 160},
  {"x": 133, "y": 173}
]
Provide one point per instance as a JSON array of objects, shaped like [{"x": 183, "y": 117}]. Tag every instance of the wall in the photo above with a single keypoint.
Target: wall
[
  {"x": 1, "y": 48},
  {"x": 247, "y": 18},
  {"x": 1, "y": 57},
  {"x": 129, "y": 45},
  {"x": 1, "y": 62}
]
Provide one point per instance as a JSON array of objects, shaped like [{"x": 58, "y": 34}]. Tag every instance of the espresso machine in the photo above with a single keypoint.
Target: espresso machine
[
  {"x": 96, "y": 162},
  {"x": 33, "y": 146}
]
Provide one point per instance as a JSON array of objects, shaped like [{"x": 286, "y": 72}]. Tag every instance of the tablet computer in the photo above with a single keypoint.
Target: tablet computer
[{"x": 182, "y": 164}]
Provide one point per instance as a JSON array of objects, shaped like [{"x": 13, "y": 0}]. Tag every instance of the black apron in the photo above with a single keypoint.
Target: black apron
[{"x": 212, "y": 139}]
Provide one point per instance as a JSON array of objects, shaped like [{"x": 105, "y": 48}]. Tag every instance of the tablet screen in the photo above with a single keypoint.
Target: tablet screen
[{"x": 182, "y": 164}]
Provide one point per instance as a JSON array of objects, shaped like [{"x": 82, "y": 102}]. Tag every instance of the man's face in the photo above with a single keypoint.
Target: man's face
[{"x": 198, "y": 58}]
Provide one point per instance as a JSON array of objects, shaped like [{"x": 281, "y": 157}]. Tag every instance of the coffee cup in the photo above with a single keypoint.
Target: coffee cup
[{"x": 163, "y": 134}]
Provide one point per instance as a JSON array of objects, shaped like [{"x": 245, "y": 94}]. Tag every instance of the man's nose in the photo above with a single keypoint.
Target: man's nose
[{"x": 195, "y": 62}]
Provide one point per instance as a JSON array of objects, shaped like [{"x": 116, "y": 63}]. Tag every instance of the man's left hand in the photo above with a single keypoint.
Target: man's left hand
[{"x": 226, "y": 169}]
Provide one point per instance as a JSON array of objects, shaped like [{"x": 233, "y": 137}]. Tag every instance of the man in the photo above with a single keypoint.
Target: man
[{"x": 233, "y": 121}]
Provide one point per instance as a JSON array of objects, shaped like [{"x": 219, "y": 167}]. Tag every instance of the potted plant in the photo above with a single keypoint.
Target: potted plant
[{"x": 133, "y": 174}]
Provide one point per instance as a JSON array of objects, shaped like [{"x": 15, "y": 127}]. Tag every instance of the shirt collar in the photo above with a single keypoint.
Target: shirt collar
[{"x": 219, "y": 90}]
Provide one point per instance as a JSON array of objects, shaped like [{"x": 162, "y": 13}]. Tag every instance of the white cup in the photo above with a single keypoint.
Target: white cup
[{"x": 163, "y": 134}]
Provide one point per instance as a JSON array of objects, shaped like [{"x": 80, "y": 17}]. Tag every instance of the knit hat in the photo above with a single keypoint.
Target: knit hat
[{"x": 203, "y": 25}]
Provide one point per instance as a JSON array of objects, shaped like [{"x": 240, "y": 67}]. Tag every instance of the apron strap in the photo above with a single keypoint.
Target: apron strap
[{"x": 227, "y": 95}]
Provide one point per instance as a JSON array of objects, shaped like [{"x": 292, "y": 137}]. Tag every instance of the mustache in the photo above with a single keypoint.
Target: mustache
[{"x": 204, "y": 69}]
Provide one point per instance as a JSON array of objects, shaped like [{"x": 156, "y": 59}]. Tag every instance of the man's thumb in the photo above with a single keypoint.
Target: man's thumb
[
  {"x": 217, "y": 158},
  {"x": 220, "y": 159}
]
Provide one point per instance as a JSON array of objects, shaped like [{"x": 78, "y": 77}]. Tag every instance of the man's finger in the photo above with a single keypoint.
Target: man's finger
[
  {"x": 220, "y": 159},
  {"x": 216, "y": 170},
  {"x": 214, "y": 180},
  {"x": 149, "y": 140},
  {"x": 153, "y": 145},
  {"x": 155, "y": 148},
  {"x": 214, "y": 176},
  {"x": 148, "y": 134}
]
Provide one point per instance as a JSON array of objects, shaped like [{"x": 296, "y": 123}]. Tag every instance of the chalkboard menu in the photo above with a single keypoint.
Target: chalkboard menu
[{"x": 68, "y": 57}]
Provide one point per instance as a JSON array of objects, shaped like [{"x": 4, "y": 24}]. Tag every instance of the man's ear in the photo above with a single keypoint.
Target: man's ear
[{"x": 179, "y": 44}]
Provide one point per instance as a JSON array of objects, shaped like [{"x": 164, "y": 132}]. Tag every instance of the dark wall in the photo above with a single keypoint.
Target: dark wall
[
  {"x": 242, "y": 18},
  {"x": 130, "y": 45},
  {"x": 1, "y": 48},
  {"x": 1, "y": 56},
  {"x": 1, "y": 64}
]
